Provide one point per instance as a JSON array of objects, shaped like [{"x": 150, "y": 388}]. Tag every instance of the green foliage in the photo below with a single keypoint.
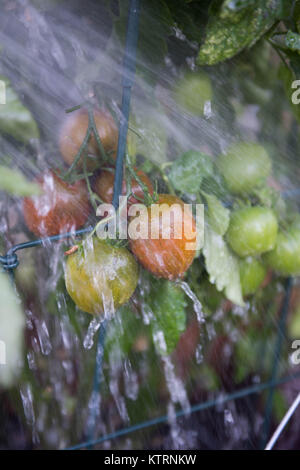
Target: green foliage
[
  {"x": 229, "y": 31},
  {"x": 292, "y": 41},
  {"x": 222, "y": 266},
  {"x": 188, "y": 171},
  {"x": 167, "y": 302},
  {"x": 12, "y": 322},
  {"x": 218, "y": 215},
  {"x": 15, "y": 119},
  {"x": 15, "y": 183}
]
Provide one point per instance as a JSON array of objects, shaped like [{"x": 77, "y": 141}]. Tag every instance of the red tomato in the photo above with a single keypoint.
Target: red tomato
[
  {"x": 73, "y": 132},
  {"x": 104, "y": 186},
  {"x": 62, "y": 207},
  {"x": 165, "y": 257}
]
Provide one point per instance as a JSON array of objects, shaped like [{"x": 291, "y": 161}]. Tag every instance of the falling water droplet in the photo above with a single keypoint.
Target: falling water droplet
[
  {"x": 197, "y": 304},
  {"x": 94, "y": 326}
]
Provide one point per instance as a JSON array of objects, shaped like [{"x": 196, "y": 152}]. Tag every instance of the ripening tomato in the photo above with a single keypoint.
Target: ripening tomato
[
  {"x": 165, "y": 242},
  {"x": 74, "y": 130},
  {"x": 192, "y": 91},
  {"x": 252, "y": 231},
  {"x": 61, "y": 207},
  {"x": 104, "y": 186},
  {"x": 285, "y": 258},
  {"x": 100, "y": 277},
  {"x": 252, "y": 274},
  {"x": 245, "y": 166}
]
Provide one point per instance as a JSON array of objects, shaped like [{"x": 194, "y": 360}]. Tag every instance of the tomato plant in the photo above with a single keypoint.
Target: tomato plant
[
  {"x": 285, "y": 257},
  {"x": 252, "y": 231},
  {"x": 60, "y": 208},
  {"x": 165, "y": 257},
  {"x": 192, "y": 91},
  {"x": 252, "y": 274},
  {"x": 104, "y": 186},
  {"x": 101, "y": 277},
  {"x": 245, "y": 166},
  {"x": 73, "y": 132}
]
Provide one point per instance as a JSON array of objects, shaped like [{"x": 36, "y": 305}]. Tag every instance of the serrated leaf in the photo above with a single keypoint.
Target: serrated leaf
[
  {"x": 167, "y": 302},
  {"x": 222, "y": 266},
  {"x": 225, "y": 37},
  {"x": 15, "y": 119},
  {"x": 15, "y": 183},
  {"x": 12, "y": 322},
  {"x": 218, "y": 215},
  {"x": 188, "y": 171}
]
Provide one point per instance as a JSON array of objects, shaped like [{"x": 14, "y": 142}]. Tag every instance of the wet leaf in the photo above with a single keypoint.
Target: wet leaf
[
  {"x": 15, "y": 183},
  {"x": 292, "y": 41},
  {"x": 239, "y": 28},
  {"x": 15, "y": 119},
  {"x": 167, "y": 302},
  {"x": 12, "y": 322},
  {"x": 188, "y": 171},
  {"x": 230, "y": 7},
  {"x": 222, "y": 266},
  {"x": 218, "y": 215}
]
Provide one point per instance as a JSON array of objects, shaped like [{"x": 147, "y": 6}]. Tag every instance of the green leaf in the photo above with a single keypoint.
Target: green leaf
[
  {"x": 222, "y": 266},
  {"x": 218, "y": 215},
  {"x": 12, "y": 324},
  {"x": 167, "y": 302},
  {"x": 292, "y": 41},
  {"x": 230, "y": 8},
  {"x": 226, "y": 36},
  {"x": 15, "y": 119},
  {"x": 188, "y": 171},
  {"x": 15, "y": 183}
]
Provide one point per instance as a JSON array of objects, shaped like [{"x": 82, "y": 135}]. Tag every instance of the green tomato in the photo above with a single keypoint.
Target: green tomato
[
  {"x": 252, "y": 274},
  {"x": 193, "y": 91},
  {"x": 285, "y": 258},
  {"x": 245, "y": 166},
  {"x": 252, "y": 231},
  {"x": 101, "y": 274}
]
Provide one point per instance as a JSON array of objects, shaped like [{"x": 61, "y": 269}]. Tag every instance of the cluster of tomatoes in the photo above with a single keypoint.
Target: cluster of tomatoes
[
  {"x": 110, "y": 274},
  {"x": 105, "y": 275},
  {"x": 254, "y": 233}
]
